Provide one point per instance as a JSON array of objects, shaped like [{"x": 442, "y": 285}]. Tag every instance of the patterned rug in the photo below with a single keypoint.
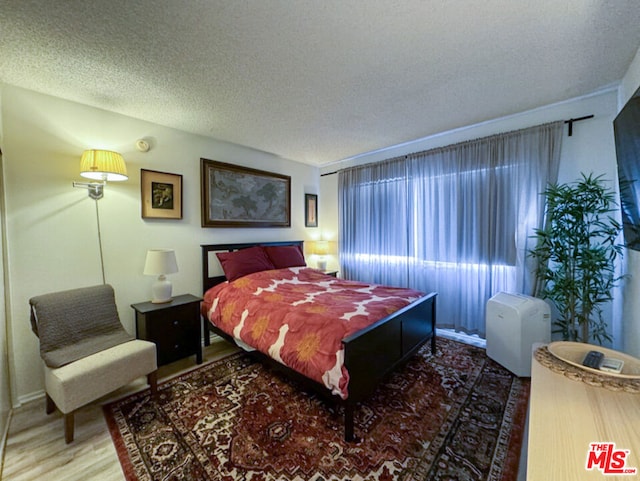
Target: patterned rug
[{"x": 456, "y": 415}]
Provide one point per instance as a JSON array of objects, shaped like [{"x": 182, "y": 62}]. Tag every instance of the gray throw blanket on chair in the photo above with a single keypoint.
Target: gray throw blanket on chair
[{"x": 76, "y": 323}]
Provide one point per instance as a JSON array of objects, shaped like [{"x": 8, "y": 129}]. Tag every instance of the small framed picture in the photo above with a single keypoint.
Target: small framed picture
[
  {"x": 161, "y": 195},
  {"x": 310, "y": 210}
]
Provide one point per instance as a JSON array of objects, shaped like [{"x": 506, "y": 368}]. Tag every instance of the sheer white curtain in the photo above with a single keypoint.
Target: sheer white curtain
[
  {"x": 374, "y": 223},
  {"x": 456, "y": 220}
]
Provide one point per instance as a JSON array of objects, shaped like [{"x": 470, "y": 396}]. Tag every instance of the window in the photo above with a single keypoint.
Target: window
[{"x": 455, "y": 220}]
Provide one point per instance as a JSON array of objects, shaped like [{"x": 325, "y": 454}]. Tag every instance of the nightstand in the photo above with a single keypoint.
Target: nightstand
[
  {"x": 173, "y": 326},
  {"x": 331, "y": 273}
]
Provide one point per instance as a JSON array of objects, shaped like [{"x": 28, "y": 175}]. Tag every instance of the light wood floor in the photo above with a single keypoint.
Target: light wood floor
[{"x": 36, "y": 450}]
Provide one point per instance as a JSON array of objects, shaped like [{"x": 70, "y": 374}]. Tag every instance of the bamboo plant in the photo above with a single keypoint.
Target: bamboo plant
[{"x": 576, "y": 253}]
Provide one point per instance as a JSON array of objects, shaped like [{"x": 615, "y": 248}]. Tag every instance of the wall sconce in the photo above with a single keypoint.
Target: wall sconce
[
  {"x": 100, "y": 165},
  {"x": 158, "y": 263}
]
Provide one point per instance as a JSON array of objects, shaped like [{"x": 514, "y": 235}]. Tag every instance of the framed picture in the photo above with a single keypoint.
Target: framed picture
[
  {"x": 161, "y": 194},
  {"x": 310, "y": 210},
  {"x": 234, "y": 196}
]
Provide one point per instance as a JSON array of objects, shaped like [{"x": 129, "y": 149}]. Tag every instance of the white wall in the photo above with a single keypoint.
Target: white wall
[
  {"x": 328, "y": 218},
  {"x": 51, "y": 227},
  {"x": 590, "y": 149},
  {"x": 631, "y": 307}
]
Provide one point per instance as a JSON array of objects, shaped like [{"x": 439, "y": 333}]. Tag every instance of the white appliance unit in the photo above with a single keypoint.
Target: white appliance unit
[{"x": 514, "y": 323}]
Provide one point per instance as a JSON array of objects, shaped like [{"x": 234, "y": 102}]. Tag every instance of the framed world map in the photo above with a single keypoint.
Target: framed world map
[{"x": 235, "y": 196}]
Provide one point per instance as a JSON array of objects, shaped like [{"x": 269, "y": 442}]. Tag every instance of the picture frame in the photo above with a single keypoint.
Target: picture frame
[
  {"x": 236, "y": 196},
  {"x": 161, "y": 195},
  {"x": 310, "y": 210}
]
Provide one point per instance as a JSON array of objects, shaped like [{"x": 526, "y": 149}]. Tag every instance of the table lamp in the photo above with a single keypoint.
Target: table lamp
[
  {"x": 321, "y": 249},
  {"x": 160, "y": 262}
]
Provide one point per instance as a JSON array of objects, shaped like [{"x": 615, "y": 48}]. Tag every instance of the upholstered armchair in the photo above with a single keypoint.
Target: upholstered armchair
[{"x": 86, "y": 351}]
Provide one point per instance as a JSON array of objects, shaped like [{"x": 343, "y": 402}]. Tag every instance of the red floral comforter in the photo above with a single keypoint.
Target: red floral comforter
[{"x": 298, "y": 316}]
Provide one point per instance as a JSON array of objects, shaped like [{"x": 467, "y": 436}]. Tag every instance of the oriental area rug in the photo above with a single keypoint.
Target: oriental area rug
[{"x": 455, "y": 415}]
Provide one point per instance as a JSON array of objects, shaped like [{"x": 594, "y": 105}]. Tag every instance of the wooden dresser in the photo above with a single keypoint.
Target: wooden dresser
[{"x": 566, "y": 416}]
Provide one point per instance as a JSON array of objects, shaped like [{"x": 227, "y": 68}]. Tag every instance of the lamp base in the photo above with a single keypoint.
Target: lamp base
[
  {"x": 161, "y": 290},
  {"x": 322, "y": 264}
]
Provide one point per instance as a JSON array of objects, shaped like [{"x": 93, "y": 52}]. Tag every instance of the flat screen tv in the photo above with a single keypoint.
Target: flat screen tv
[{"x": 626, "y": 127}]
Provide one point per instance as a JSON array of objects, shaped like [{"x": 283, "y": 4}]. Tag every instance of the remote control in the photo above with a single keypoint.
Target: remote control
[
  {"x": 611, "y": 365},
  {"x": 593, "y": 359}
]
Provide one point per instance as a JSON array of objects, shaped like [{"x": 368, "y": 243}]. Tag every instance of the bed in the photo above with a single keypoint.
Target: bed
[{"x": 367, "y": 349}]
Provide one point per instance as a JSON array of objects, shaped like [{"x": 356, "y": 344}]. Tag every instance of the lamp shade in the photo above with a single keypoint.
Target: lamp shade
[
  {"x": 321, "y": 247},
  {"x": 103, "y": 165},
  {"x": 160, "y": 261}
]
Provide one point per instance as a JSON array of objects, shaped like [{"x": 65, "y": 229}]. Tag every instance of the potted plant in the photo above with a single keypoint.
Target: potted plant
[{"x": 576, "y": 253}]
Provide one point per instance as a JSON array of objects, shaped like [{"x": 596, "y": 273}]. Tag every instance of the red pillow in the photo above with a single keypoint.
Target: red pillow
[
  {"x": 245, "y": 261},
  {"x": 285, "y": 256}
]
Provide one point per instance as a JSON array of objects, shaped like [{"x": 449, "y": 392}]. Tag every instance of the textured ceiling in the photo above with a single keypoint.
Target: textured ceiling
[{"x": 316, "y": 80}]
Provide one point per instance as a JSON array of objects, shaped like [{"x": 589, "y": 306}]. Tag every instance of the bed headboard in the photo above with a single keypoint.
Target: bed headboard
[{"x": 209, "y": 281}]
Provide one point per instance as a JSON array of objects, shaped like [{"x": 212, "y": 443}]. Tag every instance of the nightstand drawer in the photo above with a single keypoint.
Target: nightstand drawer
[
  {"x": 171, "y": 349},
  {"x": 176, "y": 333}
]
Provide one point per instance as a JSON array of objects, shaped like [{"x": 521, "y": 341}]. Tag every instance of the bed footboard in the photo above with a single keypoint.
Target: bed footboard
[{"x": 373, "y": 353}]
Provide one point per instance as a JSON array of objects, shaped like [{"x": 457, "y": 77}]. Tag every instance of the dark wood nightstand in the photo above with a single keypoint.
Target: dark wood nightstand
[
  {"x": 331, "y": 273},
  {"x": 173, "y": 326}
]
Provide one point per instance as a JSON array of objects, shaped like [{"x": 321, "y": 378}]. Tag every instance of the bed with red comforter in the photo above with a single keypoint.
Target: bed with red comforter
[{"x": 344, "y": 336}]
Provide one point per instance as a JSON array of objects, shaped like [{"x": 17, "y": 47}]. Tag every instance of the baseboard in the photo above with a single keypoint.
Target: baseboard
[
  {"x": 474, "y": 339},
  {"x": 26, "y": 398}
]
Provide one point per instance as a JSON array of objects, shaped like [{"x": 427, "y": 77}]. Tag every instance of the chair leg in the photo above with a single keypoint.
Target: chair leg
[
  {"x": 152, "y": 379},
  {"x": 68, "y": 427},
  {"x": 51, "y": 406}
]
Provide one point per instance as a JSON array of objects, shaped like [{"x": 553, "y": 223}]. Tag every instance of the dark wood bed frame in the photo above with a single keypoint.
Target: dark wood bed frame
[{"x": 369, "y": 354}]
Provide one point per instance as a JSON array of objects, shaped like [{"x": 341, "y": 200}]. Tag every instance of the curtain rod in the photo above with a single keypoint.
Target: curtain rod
[
  {"x": 570, "y": 133},
  {"x": 571, "y": 121}
]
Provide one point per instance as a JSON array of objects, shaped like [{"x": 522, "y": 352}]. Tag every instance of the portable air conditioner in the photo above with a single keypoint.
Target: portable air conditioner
[{"x": 514, "y": 323}]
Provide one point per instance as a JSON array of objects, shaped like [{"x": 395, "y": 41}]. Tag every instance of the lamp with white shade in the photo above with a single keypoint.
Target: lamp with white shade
[{"x": 160, "y": 262}]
